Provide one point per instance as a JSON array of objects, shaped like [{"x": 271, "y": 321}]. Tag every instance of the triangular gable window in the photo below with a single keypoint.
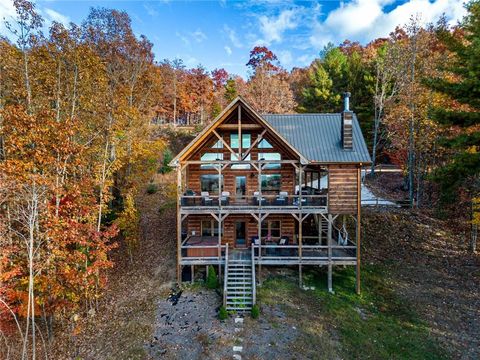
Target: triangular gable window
[
  {"x": 264, "y": 144},
  {"x": 218, "y": 145}
]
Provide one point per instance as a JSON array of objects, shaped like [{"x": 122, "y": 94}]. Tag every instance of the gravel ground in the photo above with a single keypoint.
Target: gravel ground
[{"x": 190, "y": 330}]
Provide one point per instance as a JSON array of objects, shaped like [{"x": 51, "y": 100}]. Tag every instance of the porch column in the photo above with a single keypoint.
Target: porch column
[
  {"x": 300, "y": 240},
  {"x": 179, "y": 224},
  {"x": 219, "y": 169},
  {"x": 259, "y": 248},
  {"x": 358, "y": 229},
  {"x": 329, "y": 242}
]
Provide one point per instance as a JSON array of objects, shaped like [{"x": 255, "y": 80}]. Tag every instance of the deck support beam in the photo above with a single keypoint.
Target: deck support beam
[
  {"x": 179, "y": 225},
  {"x": 358, "y": 231},
  {"x": 330, "y": 264}
]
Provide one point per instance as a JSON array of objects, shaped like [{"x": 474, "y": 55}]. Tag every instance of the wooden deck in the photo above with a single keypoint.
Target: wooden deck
[{"x": 198, "y": 250}]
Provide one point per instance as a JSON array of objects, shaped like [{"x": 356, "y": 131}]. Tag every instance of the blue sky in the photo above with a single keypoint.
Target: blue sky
[{"x": 221, "y": 33}]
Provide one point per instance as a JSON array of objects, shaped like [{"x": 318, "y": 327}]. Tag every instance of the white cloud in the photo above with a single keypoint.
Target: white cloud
[
  {"x": 305, "y": 59},
  {"x": 191, "y": 61},
  {"x": 184, "y": 39},
  {"x": 272, "y": 28},
  {"x": 285, "y": 57},
  {"x": 7, "y": 11},
  {"x": 150, "y": 10},
  {"x": 51, "y": 15},
  {"x": 198, "y": 35},
  {"x": 232, "y": 35},
  {"x": 364, "y": 20},
  {"x": 228, "y": 50}
]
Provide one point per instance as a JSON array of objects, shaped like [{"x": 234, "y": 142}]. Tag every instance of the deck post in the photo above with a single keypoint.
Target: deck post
[
  {"x": 179, "y": 224},
  {"x": 358, "y": 228},
  {"x": 330, "y": 265},
  {"x": 260, "y": 219},
  {"x": 220, "y": 222},
  {"x": 192, "y": 270},
  {"x": 300, "y": 240}
]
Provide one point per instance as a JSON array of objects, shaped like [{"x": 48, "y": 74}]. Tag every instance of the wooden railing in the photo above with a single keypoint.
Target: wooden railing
[
  {"x": 266, "y": 201},
  {"x": 203, "y": 252},
  {"x": 309, "y": 252},
  {"x": 225, "y": 277},
  {"x": 254, "y": 281}
]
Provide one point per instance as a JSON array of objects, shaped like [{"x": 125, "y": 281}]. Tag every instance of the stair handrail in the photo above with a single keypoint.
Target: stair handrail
[
  {"x": 254, "y": 282},
  {"x": 225, "y": 279}
]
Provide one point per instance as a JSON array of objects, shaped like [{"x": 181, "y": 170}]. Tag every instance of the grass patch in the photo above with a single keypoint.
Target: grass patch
[{"x": 374, "y": 325}]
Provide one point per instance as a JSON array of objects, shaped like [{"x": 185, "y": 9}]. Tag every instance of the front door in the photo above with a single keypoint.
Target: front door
[
  {"x": 240, "y": 187},
  {"x": 240, "y": 234}
]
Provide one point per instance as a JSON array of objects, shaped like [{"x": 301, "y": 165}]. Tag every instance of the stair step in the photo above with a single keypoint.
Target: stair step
[{"x": 238, "y": 283}]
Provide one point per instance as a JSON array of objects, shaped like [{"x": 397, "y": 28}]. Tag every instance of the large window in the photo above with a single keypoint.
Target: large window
[
  {"x": 271, "y": 182},
  {"x": 210, "y": 183},
  {"x": 210, "y": 157},
  {"x": 209, "y": 228},
  {"x": 233, "y": 157},
  {"x": 218, "y": 145},
  {"x": 271, "y": 229},
  {"x": 264, "y": 144},
  {"x": 270, "y": 157},
  {"x": 246, "y": 140}
]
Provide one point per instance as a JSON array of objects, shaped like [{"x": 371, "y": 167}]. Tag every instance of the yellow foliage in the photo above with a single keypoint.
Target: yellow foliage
[
  {"x": 476, "y": 210},
  {"x": 128, "y": 223}
]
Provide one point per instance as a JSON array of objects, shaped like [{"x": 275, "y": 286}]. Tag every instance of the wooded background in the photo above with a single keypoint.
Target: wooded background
[{"x": 81, "y": 115}]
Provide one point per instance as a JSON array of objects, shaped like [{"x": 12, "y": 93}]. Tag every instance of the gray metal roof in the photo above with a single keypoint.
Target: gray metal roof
[{"x": 318, "y": 137}]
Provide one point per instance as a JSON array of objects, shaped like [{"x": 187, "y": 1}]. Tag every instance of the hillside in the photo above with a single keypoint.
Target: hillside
[{"x": 420, "y": 300}]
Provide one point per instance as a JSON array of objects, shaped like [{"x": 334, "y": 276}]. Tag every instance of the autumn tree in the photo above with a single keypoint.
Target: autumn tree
[{"x": 268, "y": 88}]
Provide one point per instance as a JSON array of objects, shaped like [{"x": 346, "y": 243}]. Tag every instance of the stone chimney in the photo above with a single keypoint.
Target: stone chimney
[{"x": 347, "y": 120}]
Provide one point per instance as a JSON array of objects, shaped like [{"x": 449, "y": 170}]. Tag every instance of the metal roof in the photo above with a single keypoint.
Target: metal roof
[{"x": 318, "y": 137}]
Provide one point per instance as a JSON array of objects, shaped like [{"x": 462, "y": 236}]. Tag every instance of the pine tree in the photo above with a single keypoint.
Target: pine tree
[{"x": 463, "y": 87}]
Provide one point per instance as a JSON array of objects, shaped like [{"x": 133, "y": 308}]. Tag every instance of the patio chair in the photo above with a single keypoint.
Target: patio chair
[
  {"x": 284, "y": 241},
  {"x": 257, "y": 200},
  {"x": 206, "y": 199},
  {"x": 281, "y": 198},
  {"x": 225, "y": 198}
]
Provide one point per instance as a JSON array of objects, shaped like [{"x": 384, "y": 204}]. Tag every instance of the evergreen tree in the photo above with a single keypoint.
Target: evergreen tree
[{"x": 464, "y": 88}]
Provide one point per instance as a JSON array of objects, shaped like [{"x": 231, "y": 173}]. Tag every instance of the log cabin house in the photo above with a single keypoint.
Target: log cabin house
[{"x": 270, "y": 190}]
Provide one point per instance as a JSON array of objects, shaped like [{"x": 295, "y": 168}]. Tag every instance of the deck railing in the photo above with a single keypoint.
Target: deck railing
[
  {"x": 266, "y": 201},
  {"x": 254, "y": 281},
  {"x": 309, "y": 252},
  {"x": 225, "y": 279}
]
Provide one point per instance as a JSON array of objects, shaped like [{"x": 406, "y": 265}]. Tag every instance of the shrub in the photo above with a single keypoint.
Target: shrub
[
  {"x": 255, "y": 311},
  {"x": 212, "y": 281},
  {"x": 222, "y": 313},
  {"x": 167, "y": 157},
  {"x": 152, "y": 188}
]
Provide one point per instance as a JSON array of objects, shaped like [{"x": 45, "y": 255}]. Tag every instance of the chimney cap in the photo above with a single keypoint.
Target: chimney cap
[{"x": 346, "y": 101}]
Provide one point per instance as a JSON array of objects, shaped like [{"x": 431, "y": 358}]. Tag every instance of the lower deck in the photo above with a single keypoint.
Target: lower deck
[{"x": 274, "y": 240}]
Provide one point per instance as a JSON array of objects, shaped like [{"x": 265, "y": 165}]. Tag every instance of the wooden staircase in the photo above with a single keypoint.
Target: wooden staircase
[{"x": 239, "y": 293}]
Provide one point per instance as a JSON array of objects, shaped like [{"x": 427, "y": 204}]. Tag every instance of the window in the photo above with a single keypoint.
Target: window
[
  {"x": 270, "y": 157},
  {"x": 218, "y": 145},
  {"x": 233, "y": 157},
  {"x": 210, "y": 183},
  {"x": 271, "y": 229},
  {"x": 264, "y": 144},
  {"x": 271, "y": 182},
  {"x": 209, "y": 228},
  {"x": 246, "y": 140},
  {"x": 210, "y": 157}
]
